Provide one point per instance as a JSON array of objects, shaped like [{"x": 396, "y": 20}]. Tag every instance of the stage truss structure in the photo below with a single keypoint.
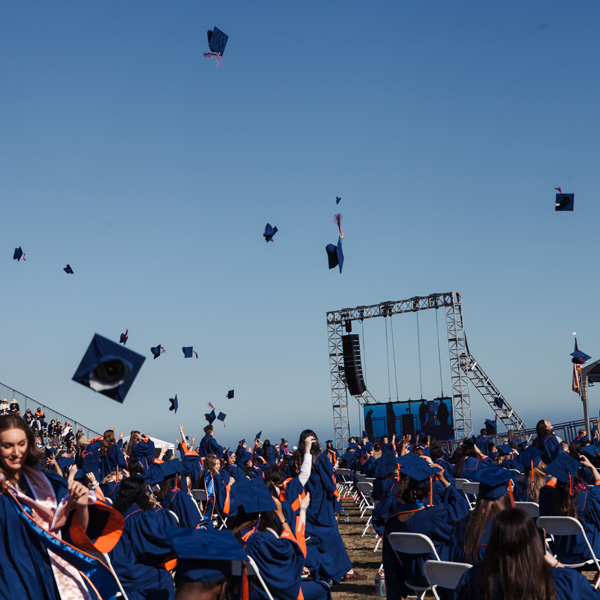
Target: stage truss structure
[{"x": 463, "y": 366}]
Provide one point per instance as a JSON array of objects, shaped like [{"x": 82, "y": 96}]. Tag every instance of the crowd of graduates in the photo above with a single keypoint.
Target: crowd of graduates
[{"x": 80, "y": 517}]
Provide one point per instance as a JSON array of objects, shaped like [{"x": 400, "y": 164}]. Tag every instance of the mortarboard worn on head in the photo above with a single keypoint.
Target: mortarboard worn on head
[
  {"x": 254, "y": 497},
  {"x": 329, "y": 441},
  {"x": 18, "y": 254},
  {"x": 365, "y": 434},
  {"x": 348, "y": 456},
  {"x": 505, "y": 449},
  {"x": 590, "y": 450},
  {"x": 563, "y": 467},
  {"x": 269, "y": 233},
  {"x": 157, "y": 351},
  {"x": 416, "y": 468},
  {"x": 564, "y": 202},
  {"x": 337, "y": 199},
  {"x": 257, "y": 436},
  {"x": 188, "y": 351},
  {"x": 68, "y": 270},
  {"x": 230, "y": 394},
  {"x": 108, "y": 368},
  {"x": 217, "y": 40},
  {"x": 160, "y": 472},
  {"x": 385, "y": 465},
  {"x": 530, "y": 455},
  {"x": 221, "y": 417},
  {"x": 335, "y": 255},
  {"x": 174, "y": 404},
  {"x": 205, "y": 555},
  {"x": 493, "y": 482},
  {"x": 124, "y": 337},
  {"x": 210, "y": 417}
]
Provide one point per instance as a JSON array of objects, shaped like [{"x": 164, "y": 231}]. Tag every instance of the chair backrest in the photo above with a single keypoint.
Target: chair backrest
[
  {"x": 459, "y": 482},
  {"x": 200, "y": 495},
  {"x": 531, "y": 508},
  {"x": 560, "y": 525},
  {"x": 412, "y": 543},
  {"x": 365, "y": 488},
  {"x": 443, "y": 573},
  {"x": 471, "y": 487}
]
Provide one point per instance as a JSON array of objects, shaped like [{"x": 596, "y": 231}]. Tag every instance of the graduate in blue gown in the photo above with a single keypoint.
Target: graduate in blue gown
[
  {"x": 143, "y": 548},
  {"x": 141, "y": 448},
  {"x": 208, "y": 444},
  {"x": 546, "y": 441},
  {"x": 470, "y": 535},
  {"x": 514, "y": 566},
  {"x": 418, "y": 515},
  {"x": 172, "y": 497},
  {"x": 36, "y": 564},
  {"x": 218, "y": 493},
  {"x": 111, "y": 455}
]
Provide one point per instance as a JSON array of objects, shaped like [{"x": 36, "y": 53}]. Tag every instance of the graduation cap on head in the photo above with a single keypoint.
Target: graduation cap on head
[
  {"x": 269, "y": 233},
  {"x": 416, "y": 468},
  {"x": 205, "y": 555},
  {"x": 210, "y": 417},
  {"x": 157, "y": 351},
  {"x": 68, "y": 270},
  {"x": 221, "y": 417},
  {"x": 124, "y": 337},
  {"x": 174, "y": 404},
  {"x": 188, "y": 351},
  {"x": 254, "y": 497},
  {"x": 505, "y": 449},
  {"x": 493, "y": 482},
  {"x": 108, "y": 368},
  {"x": 159, "y": 472},
  {"x": 217, "y": 40},
  {"x": 335, "y": 255},
  {"x": 18, "y": 254},
  {"x": 530, "y": 455},
  {"x": 385, "y": 465},
  {"x": 365, "y": 434},
  {"x": 329, "y": 441},
  {"x": 563, "y": 467},
  {"x": 564, "y": 202},
  {"x": 230, "y": 394}
]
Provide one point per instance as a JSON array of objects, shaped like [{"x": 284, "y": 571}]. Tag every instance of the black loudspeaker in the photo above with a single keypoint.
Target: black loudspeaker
[
  {"x": 352, "y": 367},
  {"x": 408, "y": 425}
]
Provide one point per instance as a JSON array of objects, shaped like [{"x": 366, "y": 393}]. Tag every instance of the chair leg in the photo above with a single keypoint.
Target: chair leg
[
  {"x": 367, "y": 526},
  {"x": 377, "y": 545}
]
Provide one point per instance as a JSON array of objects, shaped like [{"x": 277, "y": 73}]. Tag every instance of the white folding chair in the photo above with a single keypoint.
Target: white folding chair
[
  {"x": 366, "y": 491},
  {"x": 105, "y": 559},
  {"x": 470, "y": 488},
  {"x": 252, "y": 569},
  {"x": 531, "y": 508},
  {"x": 414, "y": 543},
  {"x": 569, "y": 526},
  {"x": 443, "y": 573}
]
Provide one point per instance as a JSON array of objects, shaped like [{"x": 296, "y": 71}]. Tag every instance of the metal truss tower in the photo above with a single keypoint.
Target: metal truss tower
[{"x": 463, "y": 367}]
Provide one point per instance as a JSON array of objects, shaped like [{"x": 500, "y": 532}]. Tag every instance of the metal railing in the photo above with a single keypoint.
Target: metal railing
[{"x": 25, "y": 402}]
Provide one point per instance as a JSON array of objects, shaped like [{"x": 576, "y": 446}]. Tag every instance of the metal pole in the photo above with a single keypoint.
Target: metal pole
[{"x": 584, "y": 399}]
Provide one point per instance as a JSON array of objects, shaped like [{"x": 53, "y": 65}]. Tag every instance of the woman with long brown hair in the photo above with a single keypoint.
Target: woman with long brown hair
[
  {"x": 43, "y": 521},
  {"x": 515, "y": 566},
  {"x": 111, "y": 456}
]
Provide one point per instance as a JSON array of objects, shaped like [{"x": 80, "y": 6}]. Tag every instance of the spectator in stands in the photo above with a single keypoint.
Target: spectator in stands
[
  {"x": 515, "y": 566},
  {"x": 14, "y": 407},
  {"x": 28, "y": 416},
  {"x": 4, "y": 407}
]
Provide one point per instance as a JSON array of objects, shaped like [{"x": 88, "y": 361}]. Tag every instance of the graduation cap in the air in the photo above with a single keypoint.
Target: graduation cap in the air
[
  {"x": 499, "y": 402},
  {"x": 257, "y": 436},
  {"x": 174, "y": 404},
  {"x": 205, "y": 555},
  {"x": 230, "y": 394},
  {"x": 68, "y": 270},
  {"x": 124, "y": 337},
  {"x": 210, "y": 417},
  {"x": 217, "y": 40},
  {"x": 335, "y": 255},
  {"x": 157, "y": 351},
  {"x": 579, "y": 357},
  {"x": 269, "y": 233},
  {"x": 221, "y": 417},
  {"x": 564, "y": 202},
  {"x": 18, "y": 254},
  {"x": 188, "y": 351},
  {"x": 108, "y": 368},
  {"x": 337, "y": 199}
]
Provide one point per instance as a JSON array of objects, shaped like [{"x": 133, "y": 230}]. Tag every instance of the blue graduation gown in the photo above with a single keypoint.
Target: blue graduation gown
[
  {"x": 550, "y": 447},
  {"x": 568, "y": 585},
  {"x": 326, "y": 551},
  {"x": 457, "y": 540},
  {"x": 208, "y": 445},
  {"x": 184, "y": 506},
  {"x": 140, "y": 551},
  {"x": 144, "y": 452},
  {"x": 434, "y": 521},
  {"x": 114, "y": 458}
]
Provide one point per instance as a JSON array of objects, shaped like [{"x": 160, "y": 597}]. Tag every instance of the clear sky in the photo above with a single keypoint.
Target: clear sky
[{"x": 444, "y": 127}]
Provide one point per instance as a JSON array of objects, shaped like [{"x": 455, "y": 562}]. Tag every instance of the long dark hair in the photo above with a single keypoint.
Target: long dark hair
[
  {"x": 133, "y": 490},
  {"x": 298, "y": 455},
  {"x": 266, "y": 451},
  {"x": 542, "y": 431},
  {"x": 484, "y": 511},
  {"x": 514, "y": 561},
  {"x": 107, "y": 442},
  {"x": 13, "y": 421},
  {"x": 467, "y": 450}
]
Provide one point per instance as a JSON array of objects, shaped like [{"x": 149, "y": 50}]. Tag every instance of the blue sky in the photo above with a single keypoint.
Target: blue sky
[{"x": 443, "y": 126}]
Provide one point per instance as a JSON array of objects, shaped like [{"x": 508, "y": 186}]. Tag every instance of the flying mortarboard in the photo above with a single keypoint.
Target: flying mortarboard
[
  {"x": 68, "y": 270},
  {"x": 221, "y": 417},
  {"x": 205, "y": 555},
  {"x": 230, "y": 394},
  {"x": 493, "y": 482},
  {"x": 124, "y": 337},
  {"x": 337, "y": 199},
  {"x": 210, "y": 417},
  {"x": 335, "y": 255},
  {"x": 257, "y": 436},
  {"x": 18, "y": 254},
  {"x": 562, "y": 467},
  {"x": 188, "y": 351},
  {"x": 579, "y": 357},
  {"x": 108, "y": 368},
  {"x": 157, "y": 351},
  {"x": 174, "y": 404},
  {"x": 269, "y": 233},
  {"x": 499, "y": 402},
  {"x": 217, "y": 40},
  {"x": 564, "y": 202}
]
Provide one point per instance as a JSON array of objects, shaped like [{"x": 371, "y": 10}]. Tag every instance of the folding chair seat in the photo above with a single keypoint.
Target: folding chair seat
[{"x": 444, "y": 573}]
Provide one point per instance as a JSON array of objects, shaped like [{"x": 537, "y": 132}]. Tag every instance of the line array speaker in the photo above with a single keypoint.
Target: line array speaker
[{"x": 352, "y": 365}]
